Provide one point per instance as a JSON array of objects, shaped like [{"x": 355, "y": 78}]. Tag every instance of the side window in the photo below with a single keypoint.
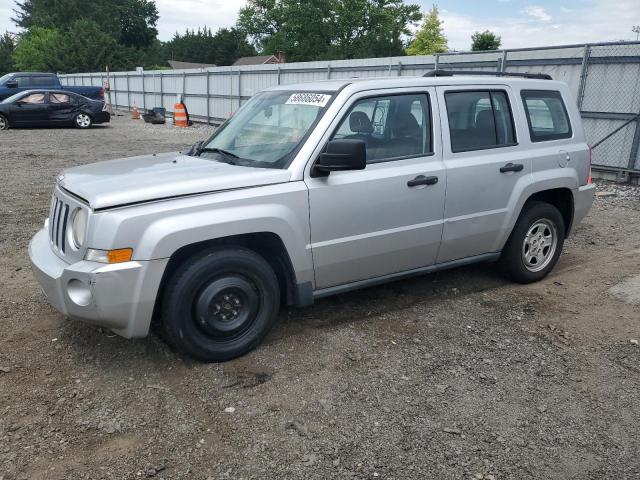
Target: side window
[
  {"x": 23, "y": 82},
  {"x": 59, "y": 98},
  {"x": 392, "y": 127},
  {"x": 479, "y": 120},
  {"x": 34, "y": 98},
  {"x": 41, "y": 81},
  {"x": 546, "y": 114}
]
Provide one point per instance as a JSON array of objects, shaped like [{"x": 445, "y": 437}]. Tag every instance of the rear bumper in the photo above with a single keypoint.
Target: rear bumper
[
  {"x": 120, "y": 297},
  {"x": 582, "y": 201}
]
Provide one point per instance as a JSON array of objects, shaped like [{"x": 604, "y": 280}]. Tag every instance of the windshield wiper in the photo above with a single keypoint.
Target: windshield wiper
[{"x": 228, "y": 155}]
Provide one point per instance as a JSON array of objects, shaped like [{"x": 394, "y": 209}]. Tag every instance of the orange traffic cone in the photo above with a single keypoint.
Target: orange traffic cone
[
  {"x": 180, "y": 115},
  {"x": 135, "y": 114}
]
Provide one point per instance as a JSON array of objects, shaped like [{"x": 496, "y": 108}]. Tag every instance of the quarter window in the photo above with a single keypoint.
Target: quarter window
[
  {"x": 59, "y": 98},
  {"x": 392, "y": 127},
  {"x": 479, "y": 120},
  {"x": 546, "y": 114}
]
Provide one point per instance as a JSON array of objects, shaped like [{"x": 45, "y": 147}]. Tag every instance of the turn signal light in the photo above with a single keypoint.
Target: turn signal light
[{"x": 120, "y": 255}]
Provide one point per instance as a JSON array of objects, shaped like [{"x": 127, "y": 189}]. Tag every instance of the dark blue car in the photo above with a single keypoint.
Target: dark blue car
[{"x": 13, "y": 83}]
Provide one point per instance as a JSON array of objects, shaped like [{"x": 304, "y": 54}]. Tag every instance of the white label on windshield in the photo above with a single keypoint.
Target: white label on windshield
[{"x": 308, "y": 98}]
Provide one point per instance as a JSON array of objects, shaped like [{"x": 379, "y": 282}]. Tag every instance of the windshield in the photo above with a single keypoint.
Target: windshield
[
  {"x": 4, "y": 78},
  {"x": 268, "y": 130},
  {"x": 14, "y": 97}
]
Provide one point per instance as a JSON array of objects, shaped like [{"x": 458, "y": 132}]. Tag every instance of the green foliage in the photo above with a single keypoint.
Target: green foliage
[
  {"x": 328, "y": 29},
  {"x": 131, "y": 22},
  {"x": 83, "y": 48},
  {"x": 222, "y": 48},
  {"x": 486, "y": 40},
  {"x": 430, "y": 38},
  {"x": 7, "y": 48}
]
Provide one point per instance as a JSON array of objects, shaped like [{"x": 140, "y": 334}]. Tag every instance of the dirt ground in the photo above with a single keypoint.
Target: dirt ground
[{"x": 456, "y": 375}]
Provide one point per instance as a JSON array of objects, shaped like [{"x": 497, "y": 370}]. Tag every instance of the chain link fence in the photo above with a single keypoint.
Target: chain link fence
[{"x": 603, "y": 77}]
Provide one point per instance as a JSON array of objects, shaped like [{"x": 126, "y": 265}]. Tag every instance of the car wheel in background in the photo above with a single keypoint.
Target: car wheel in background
[
  {"x": 220, "y": 304},
  {"x": 82, "y": 120},
  {"x": 4, "y": 123},
  {"x": 535, "y": 243}
]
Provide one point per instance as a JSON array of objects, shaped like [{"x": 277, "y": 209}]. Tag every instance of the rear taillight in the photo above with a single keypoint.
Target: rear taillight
[{"x": 589, "y": 179}]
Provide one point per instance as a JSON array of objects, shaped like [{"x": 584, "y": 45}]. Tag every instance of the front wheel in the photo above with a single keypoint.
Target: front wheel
[
  {"x": 4, "y": 123},
  {"x": 220, "y": 304},
  {"x": 82, "y": 120},
  {"x": 535, "y": 244}
]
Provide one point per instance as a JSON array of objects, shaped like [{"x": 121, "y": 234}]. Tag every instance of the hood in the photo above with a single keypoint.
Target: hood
[{"x": 154, "y": 177}]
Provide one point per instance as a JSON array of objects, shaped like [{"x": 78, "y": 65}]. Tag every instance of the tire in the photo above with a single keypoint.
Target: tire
[
  {"x": 535, "y": 243},
  {"x": 4, "y": 123},
  {"x": 82, "y": 120},
  {"x": 220, "y": 304}
]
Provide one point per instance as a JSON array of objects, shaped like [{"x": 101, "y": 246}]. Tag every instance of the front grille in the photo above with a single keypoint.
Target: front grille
[{"x": 58, "y": 224}]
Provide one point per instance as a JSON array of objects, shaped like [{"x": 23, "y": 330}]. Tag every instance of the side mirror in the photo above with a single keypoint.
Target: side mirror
[
  {"x": 11, "y": 84},
  {"x": 340, "y": 155}
]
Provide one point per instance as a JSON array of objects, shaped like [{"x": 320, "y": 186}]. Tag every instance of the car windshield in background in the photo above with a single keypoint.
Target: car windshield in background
[
  {"x": 267, "y": 131},
  {"x": 4, "y": 78},
  {"x": 14, "y": 97}
]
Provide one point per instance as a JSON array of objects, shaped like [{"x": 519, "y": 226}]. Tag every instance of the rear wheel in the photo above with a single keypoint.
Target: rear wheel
[
  {"x": 4, "y": 123},
  {"x": 535, "y": 244},
  {"x": 82, "y": 120},
  {"x": 220, "y": 304}
]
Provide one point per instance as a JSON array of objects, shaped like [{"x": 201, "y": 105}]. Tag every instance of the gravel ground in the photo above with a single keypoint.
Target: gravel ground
[{"x": 456, "y": 375}]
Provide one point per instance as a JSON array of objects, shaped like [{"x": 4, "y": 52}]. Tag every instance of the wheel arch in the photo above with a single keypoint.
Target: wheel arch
[{"x": 266, "y": 244}]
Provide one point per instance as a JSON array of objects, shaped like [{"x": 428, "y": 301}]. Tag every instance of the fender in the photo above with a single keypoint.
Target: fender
[
  {"x": 157, "y": 230},
  {"x": 532, "y": 184}
]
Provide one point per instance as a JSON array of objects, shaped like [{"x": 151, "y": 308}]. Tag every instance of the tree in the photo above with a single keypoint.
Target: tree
[
  {"x": 7, "y": 48},
  {"x": 222, "y": 48},
  {"x": 131, "y": 22},
  {"x": 34, "y": 50},
  {"x": 328, "y": 29},
  {"x": 430, "y": 38},
  {"x": 486, "y": 40}
]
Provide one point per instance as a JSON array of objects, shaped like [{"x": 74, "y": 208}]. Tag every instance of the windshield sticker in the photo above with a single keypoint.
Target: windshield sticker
[{"x": 308, "y": 98}]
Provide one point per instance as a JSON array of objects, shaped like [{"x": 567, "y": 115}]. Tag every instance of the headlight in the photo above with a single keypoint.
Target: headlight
[{"x": 79, "y": 227}]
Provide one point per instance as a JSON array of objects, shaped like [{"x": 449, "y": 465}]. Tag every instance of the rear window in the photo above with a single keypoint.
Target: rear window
[
  {"x": 479, "y": 120},
  {"x": 546, "y": 115}
]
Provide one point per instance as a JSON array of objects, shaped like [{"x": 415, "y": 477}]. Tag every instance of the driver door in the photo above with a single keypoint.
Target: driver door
[
  {"x": 30, "y": 110},
  {"x": 386, "y": 218}
]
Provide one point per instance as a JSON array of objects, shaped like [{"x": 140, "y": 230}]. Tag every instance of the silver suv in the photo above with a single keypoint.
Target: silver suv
[{"x": 315, "y": 189}]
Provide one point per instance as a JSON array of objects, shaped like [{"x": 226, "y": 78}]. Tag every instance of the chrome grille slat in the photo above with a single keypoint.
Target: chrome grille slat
[
  {"x": 64, "y": 227},
  {"x": 62, "y": 208}
]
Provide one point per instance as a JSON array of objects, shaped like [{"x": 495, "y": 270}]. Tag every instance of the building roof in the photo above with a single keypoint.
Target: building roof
[
  {"x": 257, "y": 60},
  {"x": 177, "y": 65}
]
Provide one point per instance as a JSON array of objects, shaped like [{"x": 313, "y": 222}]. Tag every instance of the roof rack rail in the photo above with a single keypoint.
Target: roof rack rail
[{"x": 451, "y": 73}]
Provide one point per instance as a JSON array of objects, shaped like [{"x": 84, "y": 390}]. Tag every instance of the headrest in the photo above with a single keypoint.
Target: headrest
[{"x": 359, "y": 123}]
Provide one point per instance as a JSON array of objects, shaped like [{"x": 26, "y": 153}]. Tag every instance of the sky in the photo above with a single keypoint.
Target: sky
[{"x": 519, "y": 23}]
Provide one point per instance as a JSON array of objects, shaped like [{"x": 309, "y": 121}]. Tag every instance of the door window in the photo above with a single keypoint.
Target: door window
[
  {"x": 392, "y": 127},
  {"x": 546, "y": 115},
  {"x": 59, "y": 98},
  {"x": 479, "y": 120},
  {"x": 41, "y": 81},
  {"x": 23, "y": 82},
  {"x": 33, "y": 98}
]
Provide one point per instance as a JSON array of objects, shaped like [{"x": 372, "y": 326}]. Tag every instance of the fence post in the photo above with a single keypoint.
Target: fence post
[
  {"x": 278, "y": 74},
  {"x": 436, "y": 64},
  {"x": 207, "y": 78},
  {"x": 144, "y": 96},
  {"x": 329, "y": 72},
  {"x": 503, "y": 63},
  {"x": 399, "y": 69},
  {"x": 161, "y": 92},
  {"x": 128, "y": 93},
  {"x": 635, "y": 145},
  {"x": 239, "y": 88},
  {"x": 584, "y": 69}
]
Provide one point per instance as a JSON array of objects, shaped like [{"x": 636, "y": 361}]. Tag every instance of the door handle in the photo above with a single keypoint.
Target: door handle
[
  {"x": 512, "y": 167},
  {"x": 422, "y": 180}
]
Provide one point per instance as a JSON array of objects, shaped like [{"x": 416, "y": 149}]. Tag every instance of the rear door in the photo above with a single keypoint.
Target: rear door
[
  {"x": 61, "y": 107},
  {"x": 484, "y": 164},
  {"x": 387, "y": 218}
]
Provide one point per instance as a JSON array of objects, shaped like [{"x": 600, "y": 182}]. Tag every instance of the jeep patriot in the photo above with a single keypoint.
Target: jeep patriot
[{"x": 315, "y": 189}]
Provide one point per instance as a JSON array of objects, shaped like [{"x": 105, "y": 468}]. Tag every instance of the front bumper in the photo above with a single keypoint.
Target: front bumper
[{"x": 120, "y": 296}]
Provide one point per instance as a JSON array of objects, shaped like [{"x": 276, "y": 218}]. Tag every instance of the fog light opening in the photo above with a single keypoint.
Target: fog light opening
[{"x": 79, "y": 292}]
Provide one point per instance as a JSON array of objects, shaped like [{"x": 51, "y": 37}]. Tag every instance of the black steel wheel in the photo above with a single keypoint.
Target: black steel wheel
[{"x": 220, "y": 304}]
